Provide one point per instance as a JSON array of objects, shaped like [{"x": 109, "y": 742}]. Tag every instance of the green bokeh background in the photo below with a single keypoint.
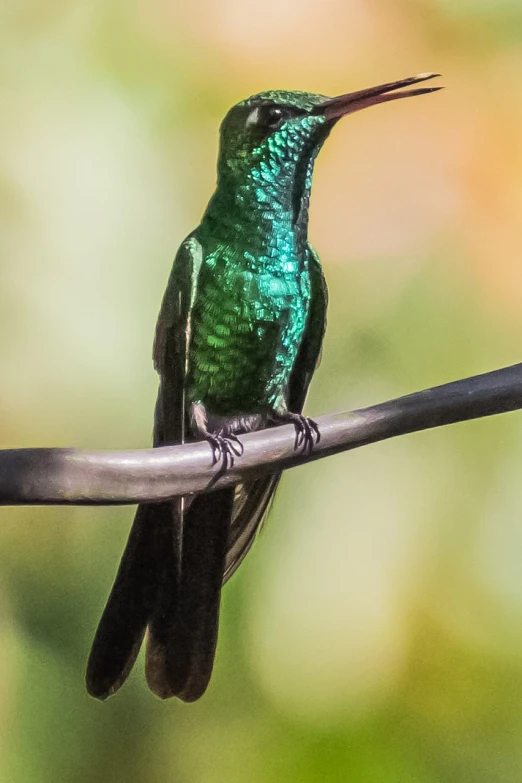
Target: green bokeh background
[{"x": 375, "y": 631}]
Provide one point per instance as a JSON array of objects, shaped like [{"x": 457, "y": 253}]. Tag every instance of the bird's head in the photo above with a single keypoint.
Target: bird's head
[{"x": 287, "y": 129}]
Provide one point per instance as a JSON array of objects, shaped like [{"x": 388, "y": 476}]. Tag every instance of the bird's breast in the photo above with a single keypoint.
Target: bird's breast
[{"x": 247, "y": 323}]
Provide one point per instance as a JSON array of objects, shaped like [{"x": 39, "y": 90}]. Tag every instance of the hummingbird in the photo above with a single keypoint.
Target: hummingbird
[{"x": 237, "y": 341}]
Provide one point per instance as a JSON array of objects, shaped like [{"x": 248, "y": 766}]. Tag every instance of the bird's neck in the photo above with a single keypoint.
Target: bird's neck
[{"x": 267, "y": 201}]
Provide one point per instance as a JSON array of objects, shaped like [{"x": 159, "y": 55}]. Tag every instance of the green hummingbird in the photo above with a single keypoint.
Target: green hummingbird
[{"x": 237, "y": 341}]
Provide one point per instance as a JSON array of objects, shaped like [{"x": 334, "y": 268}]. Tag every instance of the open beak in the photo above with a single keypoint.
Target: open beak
[{"x": 335, "y": 108}]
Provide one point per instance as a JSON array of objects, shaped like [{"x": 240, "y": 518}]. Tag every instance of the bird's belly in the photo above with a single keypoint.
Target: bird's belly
[{"x": 243, "y": 346}]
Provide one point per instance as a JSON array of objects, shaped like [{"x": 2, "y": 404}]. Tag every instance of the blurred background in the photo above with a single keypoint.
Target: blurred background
[{"x": 374, "y": 632}]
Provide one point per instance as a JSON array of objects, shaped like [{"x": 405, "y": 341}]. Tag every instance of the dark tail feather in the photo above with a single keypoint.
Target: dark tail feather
[
  {"x": 183, "y": 631},
  {"x": 132, "y": 599},
  {"x": 162, "y": 616}
]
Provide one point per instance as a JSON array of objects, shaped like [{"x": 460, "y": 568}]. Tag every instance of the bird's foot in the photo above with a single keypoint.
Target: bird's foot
[
  {"x": 225, "y": 448},
  {"x": 224, "y": 443},
  {"x": 307, "y": 433}
]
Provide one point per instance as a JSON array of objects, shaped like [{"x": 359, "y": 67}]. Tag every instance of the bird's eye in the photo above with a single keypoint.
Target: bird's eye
[
  {"x": 266, "y": 117},
  {"x": 273, "y": 117}
]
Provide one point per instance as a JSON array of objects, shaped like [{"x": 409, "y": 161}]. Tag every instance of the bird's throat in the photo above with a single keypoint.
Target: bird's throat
[{"x": 261, "y": 206}]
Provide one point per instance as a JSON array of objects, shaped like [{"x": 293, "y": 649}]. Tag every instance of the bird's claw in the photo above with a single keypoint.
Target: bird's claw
[
  {"x": 236, "y": 445},
  {"x": 306, "y": 433},
  {"x": 225, "y": 448}
]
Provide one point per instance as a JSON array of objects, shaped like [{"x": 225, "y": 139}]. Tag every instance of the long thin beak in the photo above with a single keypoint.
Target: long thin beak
[{"x": 334, "y": 108}]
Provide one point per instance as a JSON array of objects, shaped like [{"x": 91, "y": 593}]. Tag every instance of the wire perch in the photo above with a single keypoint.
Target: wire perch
[{"x": 57, "y": 476}]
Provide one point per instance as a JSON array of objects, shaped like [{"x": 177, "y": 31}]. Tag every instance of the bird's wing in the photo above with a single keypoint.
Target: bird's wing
[
  {"x": 170, "y": 355},
  {"x": 309, "y": 354},
  {"x": 184, "y": 624},
  {"x": 153, "y": 545},
  {"x": 253, "y": 497},
  {"x": 251, "y": 503},
  {"x": 170, "y": 352}
]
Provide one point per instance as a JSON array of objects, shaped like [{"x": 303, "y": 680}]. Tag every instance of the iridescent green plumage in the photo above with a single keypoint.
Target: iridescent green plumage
[
  {"x": 237, "y": 341},
  {"x": 253, "y": 296}
]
